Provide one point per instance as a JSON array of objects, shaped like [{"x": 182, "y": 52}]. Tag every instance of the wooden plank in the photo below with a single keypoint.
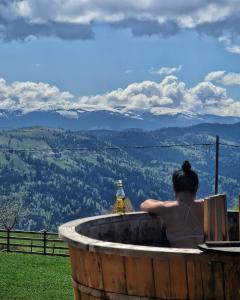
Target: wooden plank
[
  {"x": 232, "y": 279},
  {"x": 206, "y": 274},
  {"x": 34, "y": 246},
  {"x": 77, "y": 295},
  {"x": 162, "y": 279},
  {"x": 113, "y": 271},
  {"x": 206, "y": 218},
  {"x": 218, "y": 280},
  {"x": 139, "y": 276},
  {"x": 78, "y": 268},
  {"x": 93, "y": 298},
  {"x": 194, "y": 277},
  {"x": 55, "y": 241},
  {"x": 222, "y": 202},
  {"x": 84, "y": 296},
  {"x": 93, "y": 269},
  {"x": 27, "y": 238},
  {"x": 215, "y": 218},
  {"x": 212, "y": 279},
  {"x": 178, "y": 276},
  {"x": 212, "y": 219},
  {"x": 88, "y": 297}
]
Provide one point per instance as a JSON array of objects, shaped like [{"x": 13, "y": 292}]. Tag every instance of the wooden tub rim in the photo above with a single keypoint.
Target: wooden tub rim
[{"x": 68, "y": 233}]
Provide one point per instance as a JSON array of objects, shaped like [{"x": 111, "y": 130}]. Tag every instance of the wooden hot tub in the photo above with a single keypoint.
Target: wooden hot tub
[{"x": 125, "y": 257}]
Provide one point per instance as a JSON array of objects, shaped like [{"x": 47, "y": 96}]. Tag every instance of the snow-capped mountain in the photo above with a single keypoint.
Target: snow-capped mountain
[{"x": 104, "y": 119}]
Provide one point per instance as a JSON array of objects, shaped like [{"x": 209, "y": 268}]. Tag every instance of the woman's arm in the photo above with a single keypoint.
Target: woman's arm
[{"x": 155, "y": 206}]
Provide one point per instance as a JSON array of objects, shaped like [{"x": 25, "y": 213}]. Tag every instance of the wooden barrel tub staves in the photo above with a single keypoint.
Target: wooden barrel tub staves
[{"x": 109, "y": 261}]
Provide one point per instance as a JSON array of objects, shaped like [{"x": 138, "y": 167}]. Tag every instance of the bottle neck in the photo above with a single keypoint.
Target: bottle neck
[{"x": 120, "y": 192}]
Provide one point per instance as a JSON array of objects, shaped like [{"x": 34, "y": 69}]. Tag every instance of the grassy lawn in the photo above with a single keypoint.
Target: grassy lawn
[{"x": 34, "y": 277}]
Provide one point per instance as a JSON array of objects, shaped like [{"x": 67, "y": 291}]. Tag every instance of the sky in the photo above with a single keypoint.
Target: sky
[{"x": 154, "y": 55}]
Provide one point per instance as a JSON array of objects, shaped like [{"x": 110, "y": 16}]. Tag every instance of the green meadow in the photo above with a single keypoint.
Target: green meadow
[{"x": 34, "y": 277}]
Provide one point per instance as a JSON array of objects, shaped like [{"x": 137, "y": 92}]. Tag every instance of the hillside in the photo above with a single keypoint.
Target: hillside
[{"x": 58, "y": 183}]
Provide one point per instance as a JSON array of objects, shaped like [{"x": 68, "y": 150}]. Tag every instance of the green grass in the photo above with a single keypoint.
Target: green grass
[{"x": 34, "y": 277}]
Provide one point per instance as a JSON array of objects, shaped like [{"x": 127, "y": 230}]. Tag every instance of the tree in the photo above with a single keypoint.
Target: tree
[{"x": 11, "y": 211}]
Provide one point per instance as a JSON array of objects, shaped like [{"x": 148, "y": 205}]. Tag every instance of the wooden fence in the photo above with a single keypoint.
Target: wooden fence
[{"x": 33, "y": 242}]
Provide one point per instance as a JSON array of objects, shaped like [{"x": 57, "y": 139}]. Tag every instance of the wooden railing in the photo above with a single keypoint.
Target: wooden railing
[{"x": 33, "y": 242}]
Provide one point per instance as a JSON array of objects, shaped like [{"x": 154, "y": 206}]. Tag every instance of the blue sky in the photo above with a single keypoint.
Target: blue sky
[
  {"x": 99, "y": 65},
  {"x": 87, "y": 49}
]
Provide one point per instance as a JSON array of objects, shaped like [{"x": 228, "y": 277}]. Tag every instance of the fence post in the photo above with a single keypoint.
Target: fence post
[
  {"x": 217, "y": 165},
  {"x": 8, "y": 240},
  {"x": 44, "y": 242}
]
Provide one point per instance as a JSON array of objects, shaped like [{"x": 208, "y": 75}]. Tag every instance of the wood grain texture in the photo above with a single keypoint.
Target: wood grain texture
[
  {"x": 232, "y": 280},
  {"x": 215, "y": 218},
  {"x": 79, "y": 272},
  {"x": 195, "y": 280},
  {"x": 206, "y": 273},
  {"x": 132, "y": 272},
  {"x": 206, "y": 218},
  {"x": 139, "y": 276},
  {"x": 88, "y": 297},
  {"x": 213, "y": 280},
  {"x": 113, "y": 271},
  {"x": 162, "y": 279},
  {"x": 92, "y": 262},
  {"x": 85, "y": 297},
  {"x": 178, "y": 278},
  {"x": 218, "y": 281},
  {"x": 77, "y": 294}
]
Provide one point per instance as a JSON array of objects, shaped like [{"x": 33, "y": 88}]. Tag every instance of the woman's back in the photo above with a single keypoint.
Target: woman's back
[
  {"x": 183, "y": 218},
  {"x": 184, "y": 224}
]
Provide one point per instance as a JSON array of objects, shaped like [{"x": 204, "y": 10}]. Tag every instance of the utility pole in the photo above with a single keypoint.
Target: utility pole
[{"x": 216, "y": 164}]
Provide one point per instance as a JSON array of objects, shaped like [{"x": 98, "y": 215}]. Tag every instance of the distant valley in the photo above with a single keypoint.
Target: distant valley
[{"x": 58, "y": 183}]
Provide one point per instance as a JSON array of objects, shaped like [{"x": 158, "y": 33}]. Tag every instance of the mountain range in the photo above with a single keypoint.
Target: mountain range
[{"x": 103, "y": 119}]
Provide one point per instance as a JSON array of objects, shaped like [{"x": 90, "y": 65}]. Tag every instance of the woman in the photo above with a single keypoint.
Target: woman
[{"x": 183, "y": 218}]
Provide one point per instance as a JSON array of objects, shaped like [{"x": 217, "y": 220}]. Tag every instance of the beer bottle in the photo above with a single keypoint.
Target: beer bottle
[{"x": 120, "y": 198}]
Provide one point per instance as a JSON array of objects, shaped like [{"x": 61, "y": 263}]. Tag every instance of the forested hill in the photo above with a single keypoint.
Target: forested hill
[{"x": 65, "y": 175}]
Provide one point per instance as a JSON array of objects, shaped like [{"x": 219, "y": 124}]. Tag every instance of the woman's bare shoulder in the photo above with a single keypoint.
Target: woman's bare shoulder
[
  {"x": 157, "y": 206},
  {"x": 170, "y": 203}
]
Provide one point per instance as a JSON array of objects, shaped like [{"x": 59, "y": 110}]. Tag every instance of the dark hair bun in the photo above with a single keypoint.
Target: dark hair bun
[{"x": 186, "y": 166}]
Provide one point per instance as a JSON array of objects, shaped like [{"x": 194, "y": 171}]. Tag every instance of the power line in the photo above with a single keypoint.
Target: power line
[
  {"x": 230, "y": 145},
  {"x": 60, "y": 150}
]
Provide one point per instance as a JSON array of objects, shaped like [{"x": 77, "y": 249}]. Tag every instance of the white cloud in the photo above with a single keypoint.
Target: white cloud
[
  {"x": 21, "y": 19},
  {"x": 128, "y": 71},
  {"x": 229, "y": 46},
  {"x": 234, "y": 49},
  {"x": 224, "y": 78},
  {"x": 29, "y": 96},
  {"x": 214, "y": 76},
  {"x": 166, "y": 70},
  {"x": 167, "y": 96}
]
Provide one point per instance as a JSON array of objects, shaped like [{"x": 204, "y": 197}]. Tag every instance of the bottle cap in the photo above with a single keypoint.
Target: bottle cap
[{"x": 119, "y": 183}]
